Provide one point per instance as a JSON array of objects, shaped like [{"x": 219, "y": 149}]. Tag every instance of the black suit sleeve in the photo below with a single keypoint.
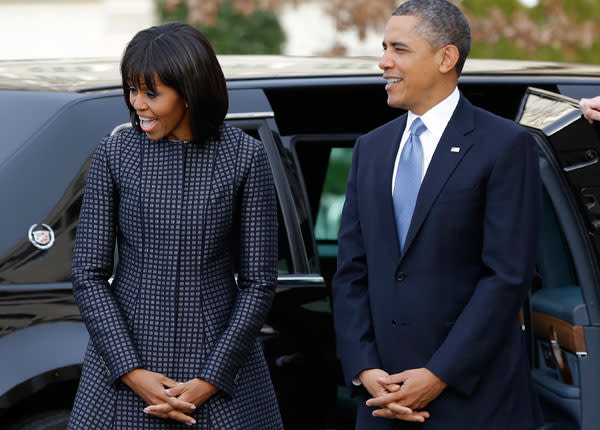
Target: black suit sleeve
[
  {"x": 510, "y": 238},
  {"x": 352, "y": 314}
]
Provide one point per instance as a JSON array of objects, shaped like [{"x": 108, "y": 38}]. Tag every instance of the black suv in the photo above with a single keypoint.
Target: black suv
[{"x": 308, "y": 113}]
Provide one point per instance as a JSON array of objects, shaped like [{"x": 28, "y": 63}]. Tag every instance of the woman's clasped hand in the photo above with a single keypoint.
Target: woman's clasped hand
[{"x": 167, "y": 398}]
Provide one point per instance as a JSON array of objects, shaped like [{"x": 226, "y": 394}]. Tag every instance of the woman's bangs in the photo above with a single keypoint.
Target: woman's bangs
[{"x": 141, "y": 72}]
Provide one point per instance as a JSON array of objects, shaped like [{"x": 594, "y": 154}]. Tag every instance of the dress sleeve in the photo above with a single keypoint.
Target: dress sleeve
[
  {"x": 93, "y": 266},
  {"x": 257, "y": 276}
]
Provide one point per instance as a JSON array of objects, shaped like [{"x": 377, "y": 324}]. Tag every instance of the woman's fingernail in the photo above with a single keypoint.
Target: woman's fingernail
[
  {"x": 168, "y": 391},
  {"x": 193, "y": 407},
  {"x": 146, "y": 411}
]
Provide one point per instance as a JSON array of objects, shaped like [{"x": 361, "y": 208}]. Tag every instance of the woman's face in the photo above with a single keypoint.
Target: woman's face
[{"x": 162, "y": 112}]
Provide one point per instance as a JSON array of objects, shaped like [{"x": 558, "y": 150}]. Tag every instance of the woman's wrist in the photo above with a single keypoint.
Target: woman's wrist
[
  {"x": 208, "y": 386},
  {"x": 130, "y": 377}
]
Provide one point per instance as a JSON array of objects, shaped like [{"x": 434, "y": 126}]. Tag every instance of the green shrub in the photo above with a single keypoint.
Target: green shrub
[{"x": 234, "y": 33}]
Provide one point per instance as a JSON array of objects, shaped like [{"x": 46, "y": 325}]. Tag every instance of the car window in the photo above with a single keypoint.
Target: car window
[
  {"x": 325, "y": 164},
  {"x": 332, "y": 197},
  {"x": 302, "y": 208}
]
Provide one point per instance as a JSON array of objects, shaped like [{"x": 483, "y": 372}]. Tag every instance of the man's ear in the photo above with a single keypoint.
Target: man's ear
[{"x": 449, "y": 56}]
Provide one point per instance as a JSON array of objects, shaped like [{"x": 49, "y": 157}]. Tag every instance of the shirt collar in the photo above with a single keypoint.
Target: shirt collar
[{"x": 436, "y": 119}]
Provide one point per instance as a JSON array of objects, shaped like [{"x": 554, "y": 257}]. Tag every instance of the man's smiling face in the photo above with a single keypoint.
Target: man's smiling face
[{"x": 410, "y": 65}]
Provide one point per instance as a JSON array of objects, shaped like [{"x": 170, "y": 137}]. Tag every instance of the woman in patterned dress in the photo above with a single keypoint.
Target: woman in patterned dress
[{"x": 189, "y": 201}]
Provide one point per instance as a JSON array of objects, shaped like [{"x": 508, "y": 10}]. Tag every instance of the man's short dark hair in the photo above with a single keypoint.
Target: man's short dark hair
[
  {"x": 442, "y": 24},
  {"x": 183, "y": 59}
]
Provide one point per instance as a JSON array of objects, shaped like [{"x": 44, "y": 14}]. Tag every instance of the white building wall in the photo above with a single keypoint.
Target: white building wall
[
  {"x": 92, "y": 28},
  {"x": 70, "y": 28},
  {"x": 310, "y": 31}
]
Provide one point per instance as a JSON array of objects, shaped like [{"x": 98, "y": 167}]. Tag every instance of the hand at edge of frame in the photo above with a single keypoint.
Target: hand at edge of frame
[{"x": 590, "y": 109}]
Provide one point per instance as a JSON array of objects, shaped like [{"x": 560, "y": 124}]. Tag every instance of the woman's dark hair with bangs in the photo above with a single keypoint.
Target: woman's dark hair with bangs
[{"x": 183, "y": 59}]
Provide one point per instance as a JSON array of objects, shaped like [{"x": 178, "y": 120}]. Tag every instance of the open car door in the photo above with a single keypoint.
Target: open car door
[{"x": 565, "y": 315}]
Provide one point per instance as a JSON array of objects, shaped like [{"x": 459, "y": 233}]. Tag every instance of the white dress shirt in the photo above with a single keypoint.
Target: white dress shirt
[{"x": 435, "y": 119}]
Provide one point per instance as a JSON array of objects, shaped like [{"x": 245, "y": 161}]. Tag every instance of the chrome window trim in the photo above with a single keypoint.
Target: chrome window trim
[
  {"x": 119, "y": 128},
  {"x": 300, "y": 280},
  {"x": 296, "y": 280},
  {"x": 249, "y": 115}
]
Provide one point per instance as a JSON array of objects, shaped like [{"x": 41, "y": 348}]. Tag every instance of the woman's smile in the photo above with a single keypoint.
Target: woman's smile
[
  {"x": 161, "y": 110},
  {"x": 147, "y": 124}
]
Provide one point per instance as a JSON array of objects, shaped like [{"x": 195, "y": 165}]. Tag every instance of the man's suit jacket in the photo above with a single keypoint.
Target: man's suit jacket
[
  {"x": 181, "y": 214},
  {"x": 449, "y": 300}
]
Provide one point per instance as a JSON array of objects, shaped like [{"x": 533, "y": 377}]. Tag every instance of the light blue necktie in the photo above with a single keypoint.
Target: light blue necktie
[{"x": 408, "y": 180}]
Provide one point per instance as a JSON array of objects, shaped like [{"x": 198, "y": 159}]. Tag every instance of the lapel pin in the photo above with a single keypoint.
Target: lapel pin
[{"x": 455, "y": 149}]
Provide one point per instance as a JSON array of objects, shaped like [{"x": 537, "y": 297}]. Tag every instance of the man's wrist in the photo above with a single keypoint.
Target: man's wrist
[
  {"x": 362, "y": 374},
  {"x": 440, "y": 381}
]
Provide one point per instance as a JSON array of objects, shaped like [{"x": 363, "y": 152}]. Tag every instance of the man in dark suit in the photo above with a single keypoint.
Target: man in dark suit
[{"x": 437, "y": 245}]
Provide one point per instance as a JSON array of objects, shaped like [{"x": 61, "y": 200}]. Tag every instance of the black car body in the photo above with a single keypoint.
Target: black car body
[{"x": 308, "y": 112}]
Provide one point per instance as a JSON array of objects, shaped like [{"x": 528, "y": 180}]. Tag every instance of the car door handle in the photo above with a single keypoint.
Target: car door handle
[{"x": 591, "y": 157}]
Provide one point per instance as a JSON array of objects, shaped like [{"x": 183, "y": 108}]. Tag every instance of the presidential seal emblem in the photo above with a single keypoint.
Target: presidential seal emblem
[{"x": 41, "y": 236}]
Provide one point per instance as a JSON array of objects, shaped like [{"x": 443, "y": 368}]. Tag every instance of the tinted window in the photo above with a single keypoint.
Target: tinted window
[
  {"x": 325, "y": 163},
  {"x": 332, "y": 197}
]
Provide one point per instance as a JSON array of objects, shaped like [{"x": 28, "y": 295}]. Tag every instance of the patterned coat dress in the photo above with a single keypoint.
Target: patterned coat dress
[{"x": 181, "y": 214}]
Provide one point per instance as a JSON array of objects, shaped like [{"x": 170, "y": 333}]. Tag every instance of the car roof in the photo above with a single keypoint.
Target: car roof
[{"x": 97, "y": 74}]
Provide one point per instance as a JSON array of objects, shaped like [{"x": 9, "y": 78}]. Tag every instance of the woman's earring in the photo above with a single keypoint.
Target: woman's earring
[{"x": 187, "y": 106}]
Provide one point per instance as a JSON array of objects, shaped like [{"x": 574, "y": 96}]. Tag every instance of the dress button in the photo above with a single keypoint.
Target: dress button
[{"x": 400, "y": 276}]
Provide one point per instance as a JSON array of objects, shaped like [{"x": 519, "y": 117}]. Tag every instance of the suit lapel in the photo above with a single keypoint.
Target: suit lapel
[
  {"x": 442, "y": 164},
  {"x": 386, "y": 163}
]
